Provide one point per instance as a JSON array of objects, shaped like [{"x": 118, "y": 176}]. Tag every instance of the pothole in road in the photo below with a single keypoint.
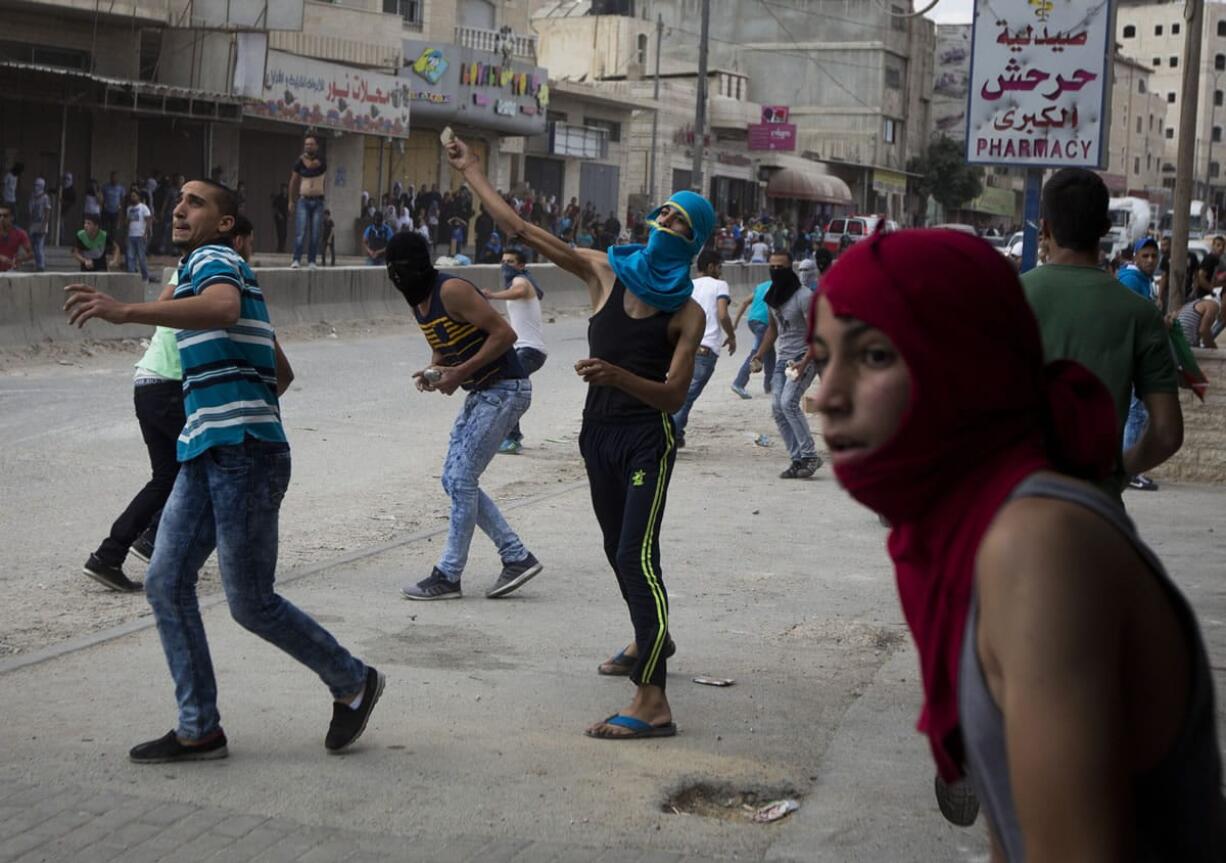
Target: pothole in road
[{"x": 724, "y": 801}]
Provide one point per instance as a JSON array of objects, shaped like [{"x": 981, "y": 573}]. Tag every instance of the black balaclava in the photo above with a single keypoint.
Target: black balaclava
[
  {"x": 410, "y": 268},
  {"x": 784, "y": 283}
]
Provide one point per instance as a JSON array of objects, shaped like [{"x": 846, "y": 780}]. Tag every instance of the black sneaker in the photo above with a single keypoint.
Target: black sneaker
[
  {"x": 168, "y": 748},
  {"x": 437, "y": 586},
  {"x": 957, "y": 802},
  {"x": 143, "y": 547},
  {"x": 348, "y": 723},
  {"x": 793, "y": 471},
  {"x": 808, "y": 467},
  {"x": 110, "y": 576},
  {"x": 514, "y": 575},
  {"x": 1142, "y": 483}
]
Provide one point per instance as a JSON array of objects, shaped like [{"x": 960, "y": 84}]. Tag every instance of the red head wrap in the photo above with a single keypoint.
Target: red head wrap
[{"x": 984, "y": 413}]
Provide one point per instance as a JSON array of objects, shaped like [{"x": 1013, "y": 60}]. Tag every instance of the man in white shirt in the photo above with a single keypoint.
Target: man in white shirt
[
  {"x": 138, "y": 233},
  {"x": 711, "y": 292},
  {"x": 523, "y": 296}
]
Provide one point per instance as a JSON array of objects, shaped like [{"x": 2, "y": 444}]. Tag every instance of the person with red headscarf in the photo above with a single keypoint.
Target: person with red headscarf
[{"x": 1062, "y": 669}]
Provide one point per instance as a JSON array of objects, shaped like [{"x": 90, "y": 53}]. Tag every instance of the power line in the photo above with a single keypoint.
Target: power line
[
  {"x": 819, "y": 66},
  {"x": 785, "y": 51}
]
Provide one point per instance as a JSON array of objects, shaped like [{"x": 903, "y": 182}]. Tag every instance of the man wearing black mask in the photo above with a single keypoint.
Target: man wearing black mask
[
  {"x": 473, "y": 350},
  {"x": 788, "y": 302}
]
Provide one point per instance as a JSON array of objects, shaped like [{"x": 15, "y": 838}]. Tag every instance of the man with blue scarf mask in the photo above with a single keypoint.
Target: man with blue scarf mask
[{"x": 643, "y": 338}]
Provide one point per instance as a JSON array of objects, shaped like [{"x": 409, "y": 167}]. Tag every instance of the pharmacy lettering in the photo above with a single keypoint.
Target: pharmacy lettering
[
  {"x": 327, "y": 95},
  {"x": 1040, "y": 83}
]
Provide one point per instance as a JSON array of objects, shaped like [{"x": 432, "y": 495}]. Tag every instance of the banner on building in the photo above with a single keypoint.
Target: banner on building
[
  {"x": 951, "y": 74},
  {"x": 328, "y": 96},
  {"x": 774, "y": 132},
  {"x": 1040, "y": 83}
]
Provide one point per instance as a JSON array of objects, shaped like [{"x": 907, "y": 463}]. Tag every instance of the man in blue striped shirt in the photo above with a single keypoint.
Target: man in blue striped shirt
[{"x": 235, "y": 471}]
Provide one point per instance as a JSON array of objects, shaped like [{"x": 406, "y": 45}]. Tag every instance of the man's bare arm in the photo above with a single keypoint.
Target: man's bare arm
[
  {"x": 216, "y": 307},
  {"x": 582, "y": 263},
  {"x": 285, "y": 372},
  {"x": 1052, "y": 623},
  {"x": 768, "y": 339},
  {"x": 521, "y": 289}
]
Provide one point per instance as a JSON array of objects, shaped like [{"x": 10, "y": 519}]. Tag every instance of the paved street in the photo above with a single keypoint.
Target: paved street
[{"x": 476, "y": 751}]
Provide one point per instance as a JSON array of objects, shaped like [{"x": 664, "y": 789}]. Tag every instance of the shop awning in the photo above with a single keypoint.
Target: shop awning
[
  {"x": 808, "y": 186},
  {"x": 33, "y": 82}
]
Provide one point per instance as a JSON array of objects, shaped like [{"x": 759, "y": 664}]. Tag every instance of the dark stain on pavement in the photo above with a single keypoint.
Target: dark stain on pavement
[{"x": 426, "y": 645}]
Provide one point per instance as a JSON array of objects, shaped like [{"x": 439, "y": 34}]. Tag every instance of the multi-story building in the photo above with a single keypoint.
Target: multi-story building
[
  {"x": 1152, "y": 34},
  {"x": 1138, "y": 133},
  {"x": 181, "y": 86}
]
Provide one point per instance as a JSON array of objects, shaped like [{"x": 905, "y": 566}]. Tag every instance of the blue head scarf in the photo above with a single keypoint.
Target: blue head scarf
[{"x": 659, "y": 272}]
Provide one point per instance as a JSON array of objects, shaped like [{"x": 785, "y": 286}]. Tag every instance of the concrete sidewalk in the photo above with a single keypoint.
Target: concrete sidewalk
[{"x": 476, "y": 751}]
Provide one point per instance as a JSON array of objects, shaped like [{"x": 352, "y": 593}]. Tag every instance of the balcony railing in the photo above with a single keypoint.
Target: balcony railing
[{"x": 504, "y": 41}]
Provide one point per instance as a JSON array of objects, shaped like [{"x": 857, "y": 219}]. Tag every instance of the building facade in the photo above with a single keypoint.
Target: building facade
[{"x": 1152, "y": 35}]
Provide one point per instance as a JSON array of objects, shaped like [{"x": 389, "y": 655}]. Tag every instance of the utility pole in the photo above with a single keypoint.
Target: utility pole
[
  {"x": 1185, "y": 165},
  {"x": 700, "y": 113},
  {"x": 655, "y": 117}
]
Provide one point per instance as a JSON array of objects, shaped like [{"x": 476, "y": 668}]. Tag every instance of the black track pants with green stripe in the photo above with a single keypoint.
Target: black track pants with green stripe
[{"x": 628, "y": 467}]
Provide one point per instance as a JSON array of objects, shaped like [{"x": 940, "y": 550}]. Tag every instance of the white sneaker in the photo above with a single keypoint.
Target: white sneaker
[
  {"x": 293, "y": 265},
  {"x": 311, "y": 265}
]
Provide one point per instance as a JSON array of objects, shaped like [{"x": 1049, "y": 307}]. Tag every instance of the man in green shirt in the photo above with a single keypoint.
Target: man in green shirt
[{"x": 1086, "y": 315}]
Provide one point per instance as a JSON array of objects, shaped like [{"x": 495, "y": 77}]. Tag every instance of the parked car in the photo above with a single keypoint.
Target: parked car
[{"x": 843, "y": 231}]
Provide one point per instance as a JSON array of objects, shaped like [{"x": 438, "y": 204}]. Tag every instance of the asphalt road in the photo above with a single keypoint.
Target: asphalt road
[{"x": 783, "y": 586}]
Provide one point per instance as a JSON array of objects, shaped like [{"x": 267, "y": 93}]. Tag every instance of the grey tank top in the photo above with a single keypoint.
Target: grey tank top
[{"x": 1179, "y": 808}]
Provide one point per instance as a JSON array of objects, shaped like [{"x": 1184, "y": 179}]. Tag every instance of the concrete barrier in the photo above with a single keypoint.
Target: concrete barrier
[
  {"x": 31, "y": 307},
  {"x": 30, "y": 304},
  {"x": 1202, "y": 458}
]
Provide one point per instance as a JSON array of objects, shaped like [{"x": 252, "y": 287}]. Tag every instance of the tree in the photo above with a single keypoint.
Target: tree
[{"x": 945, "y": 175}]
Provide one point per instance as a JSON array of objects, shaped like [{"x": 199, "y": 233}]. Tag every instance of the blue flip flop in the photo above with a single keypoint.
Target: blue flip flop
[{"x": 638, "y": 729}]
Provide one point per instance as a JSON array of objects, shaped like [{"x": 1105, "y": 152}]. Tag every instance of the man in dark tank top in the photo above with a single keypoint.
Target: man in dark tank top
[
  {"x": 643, "y": 338},
  {"x": 473, "y": 351}
]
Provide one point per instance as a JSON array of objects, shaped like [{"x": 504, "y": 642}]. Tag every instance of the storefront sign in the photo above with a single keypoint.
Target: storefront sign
[
  {"x": 889, "y": 182},
  {"x": 450, "y": 84},
  {"x": 775, "y": 113},
  {"x": 772, "y": 136},
  {"x": 327, "y": 95},
  {"x": 1040, "y": 83}
]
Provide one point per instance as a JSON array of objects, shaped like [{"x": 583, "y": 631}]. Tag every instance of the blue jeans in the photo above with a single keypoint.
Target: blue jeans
[
  {"x": 704, "y": 367},
  {"x": 136, "y": 255},
  {"x": 1138, "y": 417},
  {"x": 532, "y": 360},
  {"x": 790, "y": 419},
  {"x": 758, "y": 328},
  {"x": 308, "y": 210},
  {"x": 38, "y": 242},
  {"x": 483, "y": 423},
  {"x": 229, "y": 498}
]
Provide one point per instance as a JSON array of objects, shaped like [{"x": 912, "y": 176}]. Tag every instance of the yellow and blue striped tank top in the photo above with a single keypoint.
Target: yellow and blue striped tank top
[{"x": 459, "y": 341}]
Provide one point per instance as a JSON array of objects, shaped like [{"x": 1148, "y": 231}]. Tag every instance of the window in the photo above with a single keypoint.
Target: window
[
  {"x": 1151, "y": 122},
  {"x": 1130, "y": 31},
  {"x": 1217, "y": 135},
  {"x": 1149, "y": 162},
  {"x": 1217, "y": 97},
  {"x": 1174, "y": 62},
  {"x": 642, "y": 52},
  {"x": 1219, "y": 61},
  {"x": 43, "y": 55},
  {"x": 1138, "y": 125},
  {"x": 889, "y": 131},
  {"x": 1136, "y": 165},
  {"x": 1158, "y": 30},
  {"x": 893, "y": 77},
  {"x": 408, "y": 10},
  {"x": 1214, "y": 169},
  {"x": 1175, "y": 29},
  {"x": 1141, "y": 85},
  {"x": 611, "y": 128},
  {"x": 1170, "y": 98},
  {"x": 1221, "y": 28},
  {"x": 1170, "y": 133},
  {"x": 898, "y": 18},
  {"x": 1159, "y": 125},
  {"x": 1168, "y": 183},
  {"x": 1157, "y": 61},
  {"x": 837, "y": 226}
]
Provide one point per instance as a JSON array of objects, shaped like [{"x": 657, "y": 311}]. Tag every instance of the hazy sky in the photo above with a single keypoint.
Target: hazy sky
[{"x": 952, "y": 11}]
